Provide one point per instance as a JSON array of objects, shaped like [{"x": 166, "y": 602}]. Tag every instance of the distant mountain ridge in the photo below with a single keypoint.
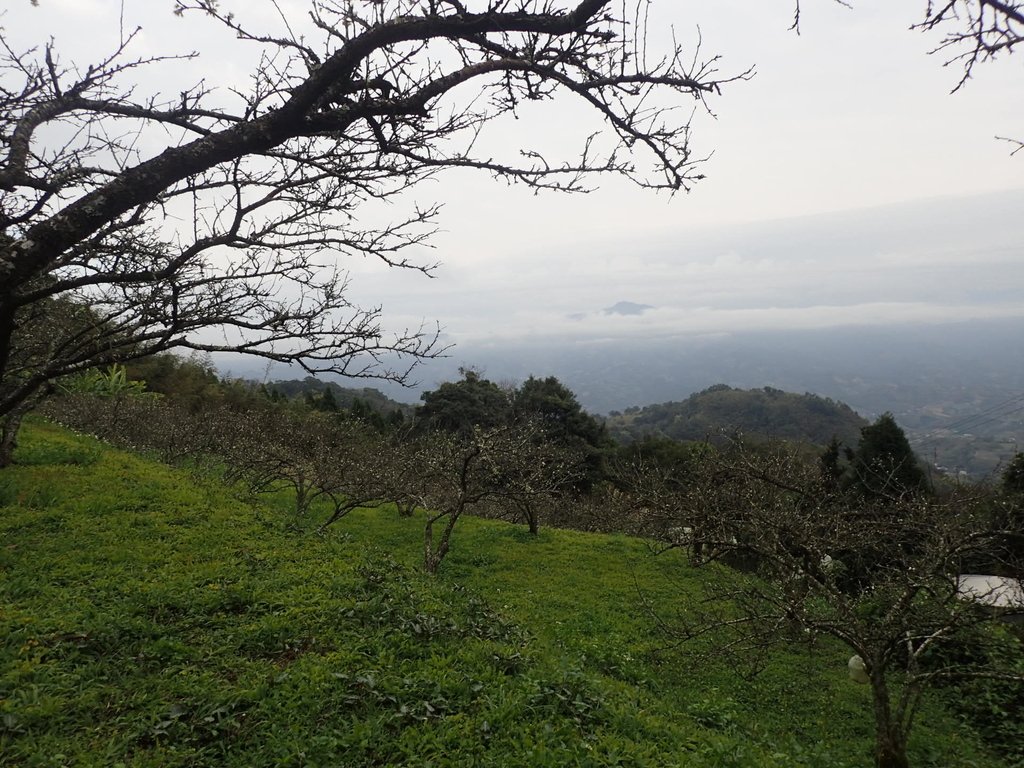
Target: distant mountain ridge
[
  {"x": 947, "y": 384},
  {"x": 764, "y": 413}
]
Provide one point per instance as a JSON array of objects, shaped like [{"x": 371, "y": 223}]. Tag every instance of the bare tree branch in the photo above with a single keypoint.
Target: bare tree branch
[{"x": 233, "y": 229}]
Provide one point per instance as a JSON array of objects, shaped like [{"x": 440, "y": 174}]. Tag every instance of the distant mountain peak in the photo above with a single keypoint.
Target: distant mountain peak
[{"x": 627, "y": 308}]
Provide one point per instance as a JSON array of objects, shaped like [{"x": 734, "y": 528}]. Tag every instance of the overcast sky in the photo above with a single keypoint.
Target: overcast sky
[{"x": 845, "y": 184}]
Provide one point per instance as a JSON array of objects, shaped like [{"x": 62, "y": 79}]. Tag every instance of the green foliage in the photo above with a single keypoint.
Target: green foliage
[
  {"x": 476, "y": 402},
  {"x": 1011, "y": 513},
  {"x": 113, "y": 382},
  {"x": 830, "y": 465},
  {"x": 1013, "y": 475},
  {"x": 193, "y": 383},
  {"x": 883, "y": 463},
  {"x": 555, "y": 405},
  {"x": 989, "y": 704},
  {"x": 458, "y": 406},
  {"x": 676, "y": 459},
  {"x": 149, "y": 619},
  {"x": 566, "y": 424},
  {"x": 755, "y": 413},
  {"x": 55, "y": 448},
  {"x": 364, "y": 403},
  {"x": 189, "y": 381},
  {"x": 327, "y": 401}
]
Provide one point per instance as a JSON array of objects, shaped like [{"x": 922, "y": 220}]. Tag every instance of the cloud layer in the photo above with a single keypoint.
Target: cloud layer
[{"x": 933, "y": 261}]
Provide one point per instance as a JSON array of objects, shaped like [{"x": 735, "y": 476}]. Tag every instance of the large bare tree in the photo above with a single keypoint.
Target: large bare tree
[{"x": 226, "y": 236}]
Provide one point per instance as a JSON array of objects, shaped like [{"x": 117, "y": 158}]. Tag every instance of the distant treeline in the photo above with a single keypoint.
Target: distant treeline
[{"x": 194, "y": 382}]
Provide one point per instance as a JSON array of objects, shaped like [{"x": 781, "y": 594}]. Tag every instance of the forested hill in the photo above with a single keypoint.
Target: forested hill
[
  {"x": 768, "y": 413},
  {"x": 343, "y": 397}
]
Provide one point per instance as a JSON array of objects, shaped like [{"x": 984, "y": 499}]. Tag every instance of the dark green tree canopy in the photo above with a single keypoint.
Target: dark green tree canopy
[
  {"x": 476, "y": 402},
  {"x": 458, "y": 406},
  {"x": 556, "y": 406},
  {"x": 884, "y": 464},
  {"x": 1013, "y": 475},
  {"x": 765, "y": 413},
  {"x": 565, "y": 423}
]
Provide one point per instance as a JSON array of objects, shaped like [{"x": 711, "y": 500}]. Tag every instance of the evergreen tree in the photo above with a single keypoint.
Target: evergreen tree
[
  {"x": 461, "y": 405},
  {"x": 565, "y": 423},
  {"x": 1013, "y": 476},
  {"x": 327, "y": 401},
  {"x": 884, "y": 464},
  {"x": 831, "y": 471}
]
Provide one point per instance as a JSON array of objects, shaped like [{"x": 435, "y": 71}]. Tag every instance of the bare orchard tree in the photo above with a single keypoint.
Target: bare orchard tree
[
  {"x": 44, "y": 327},
  {"x": 401, "y": 468},
  {"x": 269, "y": 178},
  {"x": 644, "y": 500},
  {"x": 317, "y": 457},
  {"x": 880, "y": 577},
  {"x": 138, "y": 421},
  {"x": 508, "y": 471},
  {"x": 314, "y": 457}
]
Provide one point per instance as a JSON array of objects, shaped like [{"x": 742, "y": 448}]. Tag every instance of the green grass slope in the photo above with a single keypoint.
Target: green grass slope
[{"x": 151, "y": 619}]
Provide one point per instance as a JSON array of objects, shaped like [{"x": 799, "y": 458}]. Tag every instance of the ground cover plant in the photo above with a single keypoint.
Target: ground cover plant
[{"x": 148, "y": 618}]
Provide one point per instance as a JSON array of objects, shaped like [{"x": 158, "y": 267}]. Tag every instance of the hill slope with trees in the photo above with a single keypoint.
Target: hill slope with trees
[
  {"x": 765, "y": 413},
  {"x": 153, "y": 620}
]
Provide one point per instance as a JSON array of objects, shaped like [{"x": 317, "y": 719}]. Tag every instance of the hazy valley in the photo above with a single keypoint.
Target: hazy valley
[{"x": 957, "y": 388}]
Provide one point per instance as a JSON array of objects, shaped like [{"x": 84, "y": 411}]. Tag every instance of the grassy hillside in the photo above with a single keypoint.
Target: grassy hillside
[
  {"x": 151, "y": 619},
  {"x": 764, "y": 413}
]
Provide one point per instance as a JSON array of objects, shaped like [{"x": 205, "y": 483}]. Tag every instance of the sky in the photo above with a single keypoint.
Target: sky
[{"x": 845, "y": 184}]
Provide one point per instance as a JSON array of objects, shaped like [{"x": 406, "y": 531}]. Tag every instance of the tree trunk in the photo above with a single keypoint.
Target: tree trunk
[
  {"x": 430, "y": 563},
  {"x": 6, "y": 318},
  {"x": 302, "y": 499},
  {"x": 9, "y": 435},
  {"x": 890, "y": 739},
  {"x": 432, "y": 557},
  {"x": 533, "y": 522},
  {"x": 891, "y": 753}
]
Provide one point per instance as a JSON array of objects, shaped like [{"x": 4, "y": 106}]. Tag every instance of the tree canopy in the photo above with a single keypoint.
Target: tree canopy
[
  {"x": 552, "y": 409},
  {"x": 555, "y": 407},
  {"x": 1013, "y": 475},
  {"x": 884, "y": 464},
  {"x": 459, "y": 406}
]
